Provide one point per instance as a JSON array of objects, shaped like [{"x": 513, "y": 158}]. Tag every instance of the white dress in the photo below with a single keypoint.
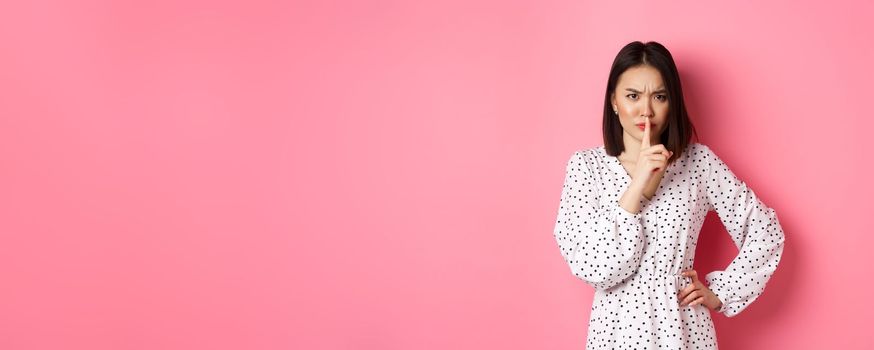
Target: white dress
[{"x": 634, "y": 261}]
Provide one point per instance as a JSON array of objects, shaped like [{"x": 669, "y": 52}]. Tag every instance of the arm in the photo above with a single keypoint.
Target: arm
[
  {"x": 601, "y": 245},
  {"x": 753, "y": 228}
]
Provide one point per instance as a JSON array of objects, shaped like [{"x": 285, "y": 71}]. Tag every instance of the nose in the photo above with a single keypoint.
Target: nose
[{"x": 647, "y": 109}]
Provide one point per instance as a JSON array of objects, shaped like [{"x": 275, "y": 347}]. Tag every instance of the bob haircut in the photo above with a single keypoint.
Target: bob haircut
[{"x": 678, "y": 135}]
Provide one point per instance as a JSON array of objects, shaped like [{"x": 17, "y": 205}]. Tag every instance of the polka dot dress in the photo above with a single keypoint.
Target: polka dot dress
[{"x": 634, "y": 261}]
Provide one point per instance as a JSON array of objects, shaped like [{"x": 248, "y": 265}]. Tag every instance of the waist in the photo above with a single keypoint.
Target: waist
[{"x": 680, "y": 280}]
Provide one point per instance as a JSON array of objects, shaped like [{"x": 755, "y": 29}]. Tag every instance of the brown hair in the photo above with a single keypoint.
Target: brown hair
[{"x": 679, "y": 130}]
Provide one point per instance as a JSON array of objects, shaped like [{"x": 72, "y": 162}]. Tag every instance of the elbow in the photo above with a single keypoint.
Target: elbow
[
  {"x": 778, "y": 237},
  {"x": 603, "y": 277},
  {"x": 604, "y": 272},
  {"x": 599, "y": 284},
  {"x": 603, "y": 285}
]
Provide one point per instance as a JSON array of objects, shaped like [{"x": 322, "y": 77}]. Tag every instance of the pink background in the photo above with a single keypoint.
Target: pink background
[{"x": 386, "y": 175}]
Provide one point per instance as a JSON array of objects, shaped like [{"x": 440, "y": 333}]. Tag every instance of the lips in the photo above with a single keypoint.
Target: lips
[{"x": 643, "y": 126}]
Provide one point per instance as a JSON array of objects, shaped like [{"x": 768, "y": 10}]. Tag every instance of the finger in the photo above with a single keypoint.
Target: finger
[
  {"x": 697, "y": 301},
  {"x": 645, "y": 142},
  {"x": 658, "y": 157},
  {"x": 659, "y": 162},
  {"x": 654, "y": 149},
  {"x": 686, "y": 291},
  {"x": 692, "y": 296},
  {"x": 691, "y": 273}
]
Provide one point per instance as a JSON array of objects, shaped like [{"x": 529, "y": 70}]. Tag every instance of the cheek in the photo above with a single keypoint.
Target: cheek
[{"x": 663, "y": 113}]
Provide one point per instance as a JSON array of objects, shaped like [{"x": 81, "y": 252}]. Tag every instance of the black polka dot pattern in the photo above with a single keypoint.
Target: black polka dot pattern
[{"x": 634, "y": 261}]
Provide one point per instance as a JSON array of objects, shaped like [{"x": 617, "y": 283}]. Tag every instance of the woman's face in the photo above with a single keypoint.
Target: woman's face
[{"x": 641, "y": 94}]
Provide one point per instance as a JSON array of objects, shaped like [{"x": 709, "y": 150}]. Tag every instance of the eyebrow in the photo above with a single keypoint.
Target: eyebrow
[{"x": 655, "y": 92}]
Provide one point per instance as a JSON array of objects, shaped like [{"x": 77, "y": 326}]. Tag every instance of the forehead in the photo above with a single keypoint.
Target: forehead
[{"x": 641, "y": 77}]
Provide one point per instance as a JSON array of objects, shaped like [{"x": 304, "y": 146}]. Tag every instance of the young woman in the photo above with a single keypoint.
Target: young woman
[{"x": 631, "y": 211}]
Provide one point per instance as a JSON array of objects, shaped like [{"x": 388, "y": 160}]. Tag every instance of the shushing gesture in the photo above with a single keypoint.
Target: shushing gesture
[{"x": 652, "y": 159}]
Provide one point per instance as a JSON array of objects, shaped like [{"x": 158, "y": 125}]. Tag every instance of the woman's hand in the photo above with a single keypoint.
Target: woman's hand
[
  {"x": 697, "y": 293},
  {"x": 652, "y": 159}
]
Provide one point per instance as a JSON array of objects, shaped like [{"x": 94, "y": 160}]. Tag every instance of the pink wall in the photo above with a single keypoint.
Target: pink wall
[{"x": 386, "y": 175}]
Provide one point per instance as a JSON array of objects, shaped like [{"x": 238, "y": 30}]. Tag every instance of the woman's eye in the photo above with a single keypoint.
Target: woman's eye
[
  {"x": 663, "y": 97},
  {"x": 629, "y": 95}
]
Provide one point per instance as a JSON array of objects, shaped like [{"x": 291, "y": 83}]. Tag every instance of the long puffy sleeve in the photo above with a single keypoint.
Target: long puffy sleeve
[
  {"x": 754, "y": 229},
  {"x": 602, "y": 245}
]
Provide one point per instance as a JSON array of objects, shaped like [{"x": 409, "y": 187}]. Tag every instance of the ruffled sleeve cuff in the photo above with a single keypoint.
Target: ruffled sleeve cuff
[
  {"x": 629, "y": 215},
  {"x": 625, "y": 214}
]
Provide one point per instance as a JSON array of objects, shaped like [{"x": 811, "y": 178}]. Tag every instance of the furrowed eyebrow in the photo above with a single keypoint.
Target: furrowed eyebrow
[{"x": 655, "y": 92}]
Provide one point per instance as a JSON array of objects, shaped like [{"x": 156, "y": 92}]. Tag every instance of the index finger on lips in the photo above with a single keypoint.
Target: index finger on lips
[{"x": 645, "y": 142}]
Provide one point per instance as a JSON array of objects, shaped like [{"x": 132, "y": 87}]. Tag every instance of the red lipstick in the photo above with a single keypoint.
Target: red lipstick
[{"x": 642, "y": 126}]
